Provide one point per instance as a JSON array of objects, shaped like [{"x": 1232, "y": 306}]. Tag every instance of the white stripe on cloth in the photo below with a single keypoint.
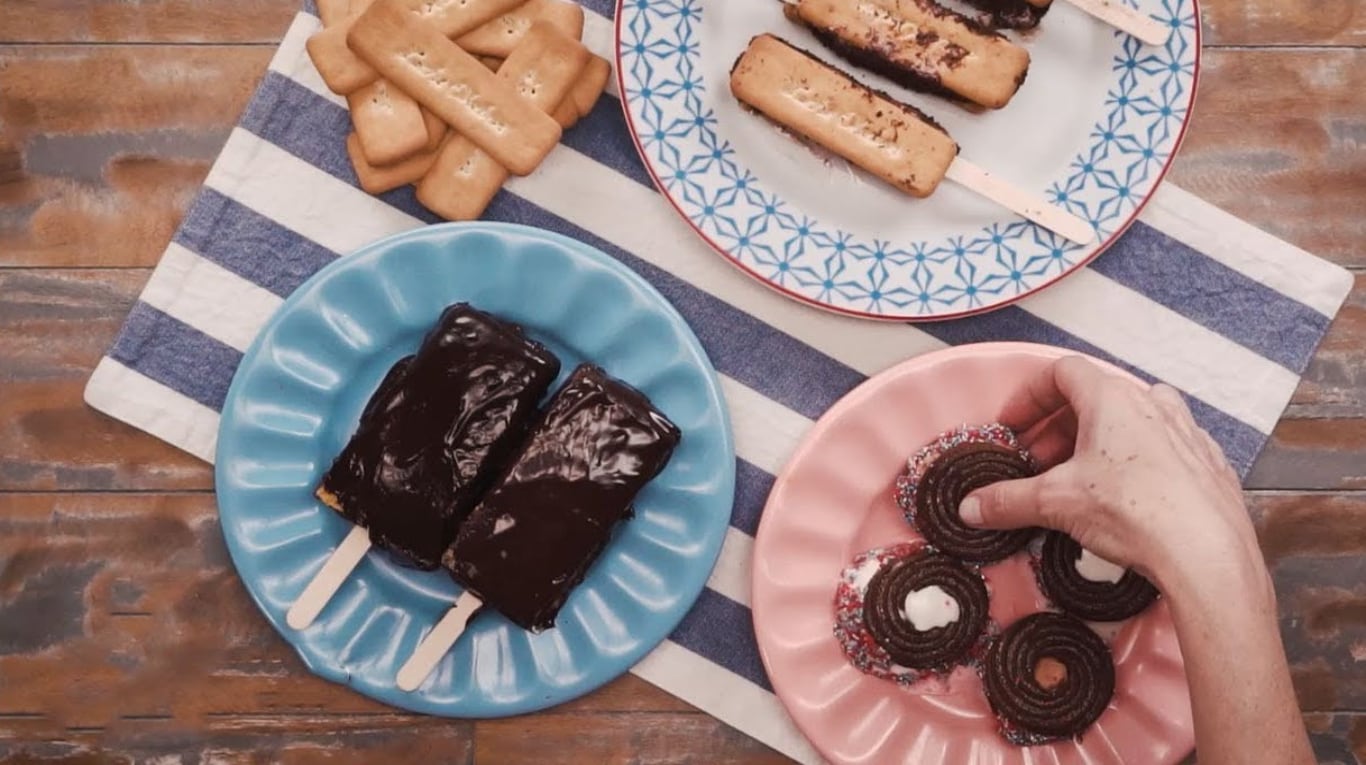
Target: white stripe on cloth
[
  {"x": 145, "y": 403},
  {"x": 766, "y": 432},
  {"x": 1168, "y": 346},
  {"x": 600, "y": 37},
  {"x": 301, "y": 197},
  {"x": 292, "y": 60},
  {"x": 731, "y": 576},
  {"x": 724, "y": 695},
  {"x": 208, "y": 297},
  {"x": 1250, "y": 251}
]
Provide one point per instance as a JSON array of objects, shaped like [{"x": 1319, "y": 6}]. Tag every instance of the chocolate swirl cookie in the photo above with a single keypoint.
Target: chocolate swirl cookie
[
  {"x": 942, "y": 474},
  {"x": 1089, "y": 587},
  {"x": 1048, "y": 677},
  {"x": 931, "y": 644}
]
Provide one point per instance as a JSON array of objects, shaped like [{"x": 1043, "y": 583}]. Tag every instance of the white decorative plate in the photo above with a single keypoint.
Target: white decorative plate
[{"x": 1093, "y": 129}]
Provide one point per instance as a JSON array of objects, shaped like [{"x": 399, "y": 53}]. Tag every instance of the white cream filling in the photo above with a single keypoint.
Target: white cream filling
[
  {"x": 930, "y": 608},
  {"x": 1094, "y": 568},
  {"x": 864, "y": 574}
]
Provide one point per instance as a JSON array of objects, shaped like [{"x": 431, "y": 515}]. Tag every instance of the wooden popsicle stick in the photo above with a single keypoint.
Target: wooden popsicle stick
[
  {"x": 437, "y": 642},
  {"x": 1126, "y": 19},
  {"x": 1021, "y": 202},
  {"x": 329, "y": 579}
]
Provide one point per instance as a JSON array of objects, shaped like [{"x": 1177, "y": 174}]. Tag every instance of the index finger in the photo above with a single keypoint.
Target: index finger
[{"x": 1065, "y": 382}]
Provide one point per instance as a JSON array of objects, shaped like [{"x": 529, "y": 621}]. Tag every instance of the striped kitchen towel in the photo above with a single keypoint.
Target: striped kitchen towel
[{"x": 1189, "y": 295}]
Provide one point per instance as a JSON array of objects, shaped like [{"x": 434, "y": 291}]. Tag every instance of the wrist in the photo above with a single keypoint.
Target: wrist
[{"x": 1217, "y": 580}]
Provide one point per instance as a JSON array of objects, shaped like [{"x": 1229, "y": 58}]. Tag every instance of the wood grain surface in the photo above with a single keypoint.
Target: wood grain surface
[{"x": 125, "y": 637}]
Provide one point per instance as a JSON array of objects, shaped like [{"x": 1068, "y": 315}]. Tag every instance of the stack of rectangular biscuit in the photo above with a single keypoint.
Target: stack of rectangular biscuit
[{"x": 455, "y": 95}]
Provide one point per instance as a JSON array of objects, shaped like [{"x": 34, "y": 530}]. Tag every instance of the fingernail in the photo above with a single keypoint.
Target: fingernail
[{"x": 970, "y": 510}]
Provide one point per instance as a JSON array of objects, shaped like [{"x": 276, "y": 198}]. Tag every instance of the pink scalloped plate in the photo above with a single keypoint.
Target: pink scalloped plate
[{"x": 834, "y": 500}]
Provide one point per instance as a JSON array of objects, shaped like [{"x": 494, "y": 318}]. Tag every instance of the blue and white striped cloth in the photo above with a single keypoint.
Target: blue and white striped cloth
[{"x": 1190, "y": 295}]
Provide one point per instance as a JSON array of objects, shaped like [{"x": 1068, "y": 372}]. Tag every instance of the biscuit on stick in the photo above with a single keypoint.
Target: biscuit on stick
[
  {"x": 388, "y": 123},
  {"x": 892, "y": 140},
  {"x": 453, "y": 84},
  {"x": 499, "y": 36},
  {"x": 543, "y": 69},
  {"x": 379, "y": 179}
]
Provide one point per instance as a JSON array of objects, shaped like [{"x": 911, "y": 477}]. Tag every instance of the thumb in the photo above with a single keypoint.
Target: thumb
[{"x": 1005, "y": 505}]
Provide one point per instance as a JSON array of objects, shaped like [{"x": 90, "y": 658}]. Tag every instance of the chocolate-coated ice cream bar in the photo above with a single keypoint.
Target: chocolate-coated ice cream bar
[
  {"x": 437, "y": 430},
  {"x": 534, "y": 535}
]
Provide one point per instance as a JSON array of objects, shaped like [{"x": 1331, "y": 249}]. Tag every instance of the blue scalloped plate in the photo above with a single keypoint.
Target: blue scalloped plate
[
  {"x": 298, "y": 394},
  {"x": 1093, "y": 129}
]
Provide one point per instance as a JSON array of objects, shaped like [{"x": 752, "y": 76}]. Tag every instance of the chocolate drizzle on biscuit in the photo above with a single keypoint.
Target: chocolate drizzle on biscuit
[{"x": 1010, "y": 14}]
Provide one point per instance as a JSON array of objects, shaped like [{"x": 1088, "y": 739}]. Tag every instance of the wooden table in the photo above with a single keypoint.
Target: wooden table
[{"x": 125, "y": 636}]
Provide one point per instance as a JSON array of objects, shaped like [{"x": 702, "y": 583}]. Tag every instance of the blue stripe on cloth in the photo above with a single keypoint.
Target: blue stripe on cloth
[
  {"x": 1241, "y": 442},
  {"x": 1214, "y": 295},
  {"x": 753, "y": 352},
  {"x": 721, "y": 631},
  {"x": 603, "y": 135},
  {"x": 752, "y": 486},
  {"x": 607, "y": 8},
  {"x": 176, "y": 355},
  {"x": 249, "y": 244}
]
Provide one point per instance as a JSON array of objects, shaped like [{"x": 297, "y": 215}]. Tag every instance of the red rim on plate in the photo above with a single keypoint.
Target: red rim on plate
[
  {"x": 833, "y": 500},
  {"x": 719, "y": 249}
]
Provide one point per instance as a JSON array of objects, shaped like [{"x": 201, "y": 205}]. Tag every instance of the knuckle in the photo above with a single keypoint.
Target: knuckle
[{"x": 1057, "y": 492}]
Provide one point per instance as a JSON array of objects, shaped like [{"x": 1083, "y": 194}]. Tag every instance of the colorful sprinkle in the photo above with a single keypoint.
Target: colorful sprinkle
[{"x": 916, "y": 466}]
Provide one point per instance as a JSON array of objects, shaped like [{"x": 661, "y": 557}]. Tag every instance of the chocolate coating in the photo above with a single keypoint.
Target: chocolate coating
[
  {"x": 934, "y": 649},
  {"x": 872, "y": 58},
  {"x": 436, "y": 431},
  {"x": 1030, "y": 712},
  {"x": 1081, "y": 597},
  {"x": 1011, "y": 14},
  {"x": 531, "y": 539},
  {"x": 951, "y": 477}
]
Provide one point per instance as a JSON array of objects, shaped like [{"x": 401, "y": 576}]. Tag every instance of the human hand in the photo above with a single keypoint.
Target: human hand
[{"x": 1130, "y": 476}]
